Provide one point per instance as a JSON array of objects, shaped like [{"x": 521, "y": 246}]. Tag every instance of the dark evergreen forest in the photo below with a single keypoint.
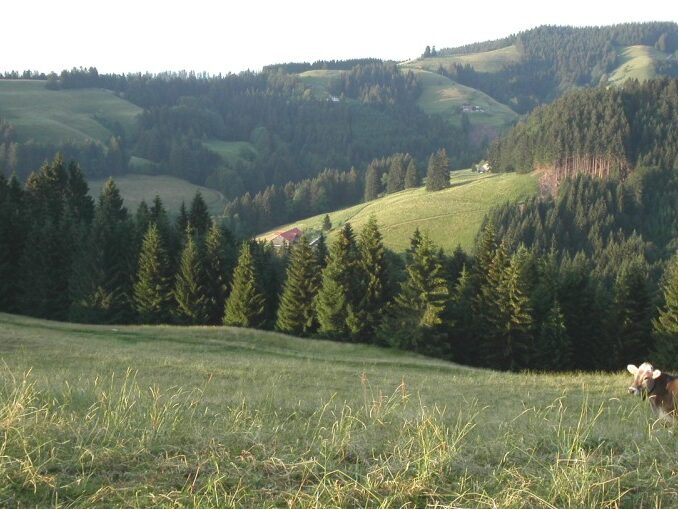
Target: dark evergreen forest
[{"x": 583, "y": 280}]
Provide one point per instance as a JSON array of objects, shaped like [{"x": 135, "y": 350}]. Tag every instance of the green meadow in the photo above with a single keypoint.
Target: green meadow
[
  {"x": 140, "y": 416},
  {"x": 231, "y": 151},
  {"x": 637, "y": 62},
  {"x": 440, "y": 95},
  {"x": 172, "y": 190},
  {"x": 452, "y": 216},
  {"x": 55, "y": 116},
  {"x": 484, "y": 61}
]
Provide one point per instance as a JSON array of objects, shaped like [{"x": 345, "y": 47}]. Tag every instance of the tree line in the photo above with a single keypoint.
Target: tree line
[
  {"x": 332, "y": 190},
  {"x": 532, "y": 296}
]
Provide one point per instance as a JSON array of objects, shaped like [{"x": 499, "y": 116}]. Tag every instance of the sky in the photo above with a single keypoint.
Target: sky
[{"x": 232, "y": 36}]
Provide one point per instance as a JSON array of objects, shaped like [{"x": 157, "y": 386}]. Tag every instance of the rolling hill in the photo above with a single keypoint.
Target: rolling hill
[
  {"x": 101, "y": 416},
  {"x": 452, "y": 216},
  {"x": 482, "y": 61},
  {"x": 636, "y": 62},
  {"x": 440, "y": 95},
  {"x": 56, "y": 116}
]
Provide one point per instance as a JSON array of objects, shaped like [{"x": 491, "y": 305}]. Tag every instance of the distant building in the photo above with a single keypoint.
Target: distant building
[{"x": 286, "y": 238}]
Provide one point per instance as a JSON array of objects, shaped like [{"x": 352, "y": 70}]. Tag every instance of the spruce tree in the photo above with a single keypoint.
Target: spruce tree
[
  {"x": 246, "y": 305},
  {"x": 199, "y": 216},
  {"x": 336, "y": 297},
  {"x": 296, "y": 314},
  {"x": 417, "y": 311},
  {"x": 190, "y": 292},
  {"x": 372, "y": 266},
  {"x": 321, "y": 252},
  {"x": 219, "y": 262},
  {"x": 411, "y": 175},
  {"x": 327, "y": 224},
  {"x": 554, "y": 348},
  {"x": 632, "y": 313},
  {"x": 438, "y": 172},
  {"x": 101, "y": 288},
  {"x": 153, "y": 287},
  {"x": 372, "y": 182},
  {"x": 396, "y": 176},
  {"x": 665, "y": 326}
]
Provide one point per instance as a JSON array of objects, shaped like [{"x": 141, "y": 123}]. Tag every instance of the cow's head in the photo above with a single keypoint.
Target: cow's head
[{"x": 644, "y": 378}]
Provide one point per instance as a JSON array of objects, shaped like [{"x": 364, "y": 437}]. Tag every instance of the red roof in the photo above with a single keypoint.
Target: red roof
[{"x": 290, "y": 235}]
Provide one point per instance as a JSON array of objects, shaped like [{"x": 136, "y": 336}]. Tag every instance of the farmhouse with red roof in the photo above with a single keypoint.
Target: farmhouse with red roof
[{"x": 287, "y": 238}]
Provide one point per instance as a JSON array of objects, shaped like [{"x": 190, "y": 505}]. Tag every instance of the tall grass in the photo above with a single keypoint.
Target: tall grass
[{"x": 184, "y": 417}]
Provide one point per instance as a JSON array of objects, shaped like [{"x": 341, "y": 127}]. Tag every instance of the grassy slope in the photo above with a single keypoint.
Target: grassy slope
[
  {"x": 443, "y": 96},
  {"x": 319, "y": 80},
  {"x": 172, "y": 190},
  {"x": 636, "y": 62},
  {"x": 231, "y": 151},
  {"x": 452, "y": 216},
  {"x": 62, "y": 115},
  {"x": 486, "y": 61},
  {"x": 101, "y": 416}
]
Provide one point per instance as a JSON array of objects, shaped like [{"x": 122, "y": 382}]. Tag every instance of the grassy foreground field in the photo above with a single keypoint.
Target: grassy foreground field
[
  {"x": 172, "y": 191},
  {"x": 452, "y": 216},
  {"x": 55, "y": 116},
  {"x": 101, "y": 416}
]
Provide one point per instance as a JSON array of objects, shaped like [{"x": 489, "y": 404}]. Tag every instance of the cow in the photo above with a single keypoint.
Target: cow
[{"x": 660, "y": 388}]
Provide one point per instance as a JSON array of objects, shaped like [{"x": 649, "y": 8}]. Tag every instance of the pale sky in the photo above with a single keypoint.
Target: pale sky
[{"x": 231, "y": 36}]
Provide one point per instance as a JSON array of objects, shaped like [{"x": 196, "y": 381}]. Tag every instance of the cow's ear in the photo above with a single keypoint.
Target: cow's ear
[
  {"x": 632, "y": 369},
  {"x": 656, "y": 374}
]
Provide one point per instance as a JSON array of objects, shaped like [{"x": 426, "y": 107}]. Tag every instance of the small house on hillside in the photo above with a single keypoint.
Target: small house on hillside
[{"x": 286, "y": 238}]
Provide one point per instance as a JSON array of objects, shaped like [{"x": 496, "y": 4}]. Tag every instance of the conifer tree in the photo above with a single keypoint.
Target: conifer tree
[
  {"x": 13, "y": 231},
  {"x": 372, "y": 182},
  {"x": 553, "y": 348},
  {"x": 182, "y": 219},
  {"x": 665, "y": 326},
  {"x": 461, "y": 320},
  {"x": 396, "y": 176},
  {"x": 321, "y": 252},
  {"x": 372, "y": 267},
  {"x": 411, "y": 175},
  {"x": 153, "y": 286},
  {"x": 632, "y": 313},
  {"x": 199, "y": 217},
  {"x": 246, "y": 305},
  {"x": 190, "y": 292},
  {"x": 417, "y": 311},
  {"x": 336, "y": 297},
  {"x": 219, "y": 262},
  {"x": 296, "y": 314},
  {"x": 101, "y": 288},
  {"x": 327, "y": 224},
  {"x": 438, "y": 173}
]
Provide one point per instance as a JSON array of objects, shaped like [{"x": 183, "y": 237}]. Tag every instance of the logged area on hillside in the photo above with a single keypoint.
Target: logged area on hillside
[{"x": 223, "y": 417}]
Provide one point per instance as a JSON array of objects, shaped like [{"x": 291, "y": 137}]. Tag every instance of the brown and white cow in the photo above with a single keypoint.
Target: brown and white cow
[{"x": 660, "y": 388}]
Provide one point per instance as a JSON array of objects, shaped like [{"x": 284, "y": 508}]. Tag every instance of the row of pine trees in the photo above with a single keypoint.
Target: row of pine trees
[{"x": 63, "y": 256}]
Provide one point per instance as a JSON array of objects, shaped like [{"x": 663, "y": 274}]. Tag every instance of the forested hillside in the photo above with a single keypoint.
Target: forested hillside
[
  {"x": 293, "y": 135},
  {"x": 555, "y": 59},
  {"x": 598, "y": 131}
]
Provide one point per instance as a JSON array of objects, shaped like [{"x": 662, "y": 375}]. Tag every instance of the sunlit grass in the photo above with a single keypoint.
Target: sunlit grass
[
  {"x": 452, "y": 216},
  {"x": 219, "y": 417}
]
